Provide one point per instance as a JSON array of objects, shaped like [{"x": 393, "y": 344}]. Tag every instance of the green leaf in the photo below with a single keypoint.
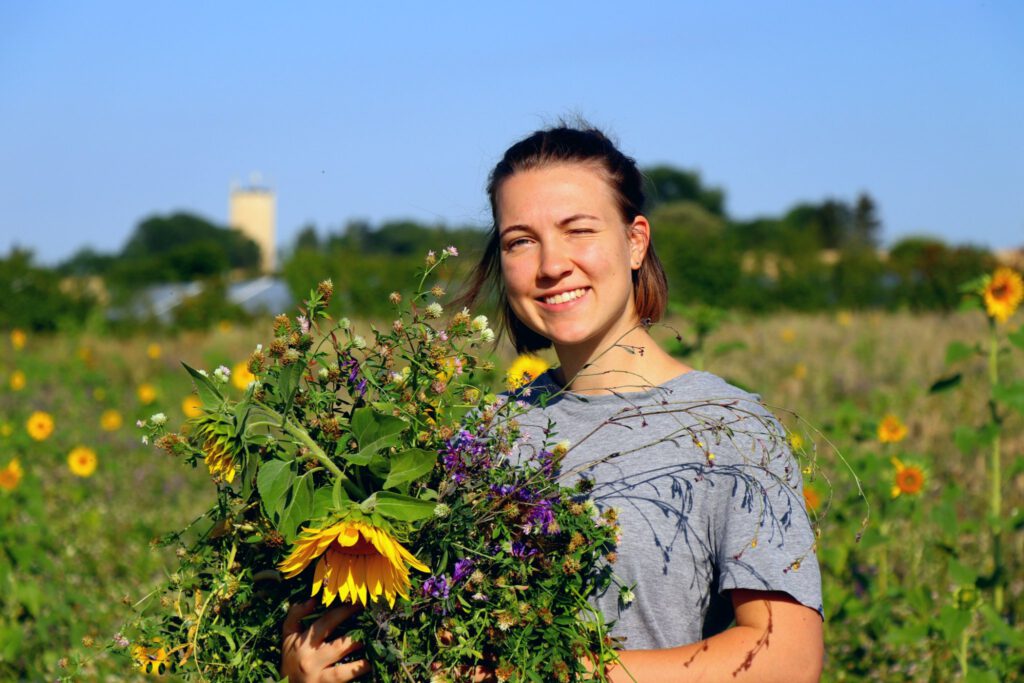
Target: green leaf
[
  {"x": 273, "y": 481},
  {"x": 409, "y": 465},
  {"x": 208, "y": 392},
  {"x": 300, "y": 508},
  {"x": 961, "y": 574},
  {"x": 999, "y": 631},
  {"x": 323, "y": 502},
  {"x": 288, "y": 384},
  {"x": 981, "y": 676},
  {"x": 957, "y": 351},
  {"x": 945, "y": 383},
  {"x": 398, "y": 507},
  {"x": 373, "y": 432},
  {"x": 1010, "y": 395},
  {"x": 953, "y": 622}
]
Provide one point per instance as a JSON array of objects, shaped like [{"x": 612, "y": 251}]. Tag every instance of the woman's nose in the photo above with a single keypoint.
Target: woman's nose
[{"x": 555, "y": 261}]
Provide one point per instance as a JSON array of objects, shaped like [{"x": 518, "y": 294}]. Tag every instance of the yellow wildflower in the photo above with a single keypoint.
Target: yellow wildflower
[
  {"x": 909, "y": 479},
  {"x": 1003, "y": 294},
  {"x": 788, "y": 335},
  {"x": 524, "y": 370},
  {"x": 153, "y": 350},
  {"x": 191, "y": 406},
  {"x": 151, "y": 660},
  {"x": 241, "y": 377},
  {"x": 146, "y": 393},
  {"x": 39, "y": 425},
  {"x": 82, "y": 461},
  {"x": 891, "y": 429},
  {"x": 10, "y": 475},
  {"x": 111, "y": 420},
  {"x": 17, "y": 381},
  {"x": 796, "y": 441},
  {"x": 18, "y": 339}
]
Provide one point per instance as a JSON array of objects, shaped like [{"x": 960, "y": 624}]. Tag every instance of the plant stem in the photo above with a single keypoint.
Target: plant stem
[
  {"x": 306, "y": 440},
  {"x": 995, "y": 474},
  {"x": 961, "y": 655}
]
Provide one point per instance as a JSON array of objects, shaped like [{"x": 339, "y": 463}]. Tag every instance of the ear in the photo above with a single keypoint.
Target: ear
[{"x": 639, "y": 236}]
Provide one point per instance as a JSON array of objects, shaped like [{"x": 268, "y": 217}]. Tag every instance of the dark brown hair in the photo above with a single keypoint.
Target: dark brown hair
[{"x": 581, "y": 144}]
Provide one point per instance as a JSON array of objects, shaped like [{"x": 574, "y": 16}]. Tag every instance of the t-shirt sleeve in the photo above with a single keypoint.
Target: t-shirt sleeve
[{"x": 764, "y": 539}]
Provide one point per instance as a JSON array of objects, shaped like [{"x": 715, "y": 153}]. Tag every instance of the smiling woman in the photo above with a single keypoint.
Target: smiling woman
[{"x": 697, "y": 473}]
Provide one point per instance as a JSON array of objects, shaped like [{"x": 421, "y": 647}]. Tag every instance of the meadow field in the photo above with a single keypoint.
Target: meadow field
[{"x": 921, "y": 541}]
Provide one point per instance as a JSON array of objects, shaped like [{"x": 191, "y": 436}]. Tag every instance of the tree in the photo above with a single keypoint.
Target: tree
[{"x": 666, "y": 184}]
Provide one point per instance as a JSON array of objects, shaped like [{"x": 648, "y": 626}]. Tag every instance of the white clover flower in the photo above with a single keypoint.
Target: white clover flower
[
  {"x": 324, "y": 373},
  {"x": 442, "y": 510},
  {"x": 140, "y": 423},
  {"x": 359, "y": 342},
  {"x": 561, "y": 448},
  {"x": 145, "y": 440},
  {"x": 626, "y": 595},
  {"x": 222, "y": 373},
  {"x": 344, "y": 323},
  {"x": 259, "y": 348},
  {"x": 479, "y": 323},
  {"x": 451, "y": 250},
  {"x": 434, "y": 310},
  {"x": 487, "y": 335},
  {"x": 158, "y": 419}
]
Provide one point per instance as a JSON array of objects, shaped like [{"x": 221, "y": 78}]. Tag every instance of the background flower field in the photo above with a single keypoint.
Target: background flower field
[{"x": 891, "y": 410}]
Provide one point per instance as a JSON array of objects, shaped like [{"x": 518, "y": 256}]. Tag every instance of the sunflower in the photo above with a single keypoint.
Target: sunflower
[
  {"x": 357, "y": 561},
  {"x": 151, "y": 660},
  {"x": 191, "y": 406},
  {"x": 524, "y": 370},
  {"x": 891, "y": 429},
  {"x": 39, "y": 425},
  {"x": 1003, "y": 294},
  {"x": 147, "y": 393},
  {"x": 110, "y": 420},
  {"x": 17, "y": 381},
  {"x": 222, "y": 447},
  {"x": 10, "y": 476},
  {"x": 241, "y": 377},
  {"x": 82, "y": 461},
  {"x": 219, "y": 459},
  {"x": 909, "y": 479}
]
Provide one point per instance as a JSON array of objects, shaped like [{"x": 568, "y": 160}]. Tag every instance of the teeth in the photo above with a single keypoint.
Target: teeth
[{"x": 565, "y": 296}]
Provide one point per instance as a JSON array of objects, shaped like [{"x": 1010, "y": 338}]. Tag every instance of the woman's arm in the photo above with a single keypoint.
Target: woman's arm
[{"x": 775, "y": 639}]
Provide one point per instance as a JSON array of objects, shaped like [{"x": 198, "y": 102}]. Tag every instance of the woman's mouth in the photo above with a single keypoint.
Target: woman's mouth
[{"x": 564, "y": 297}]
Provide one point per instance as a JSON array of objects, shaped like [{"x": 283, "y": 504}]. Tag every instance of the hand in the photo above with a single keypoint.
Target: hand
[{"x": 306, "y": 654}]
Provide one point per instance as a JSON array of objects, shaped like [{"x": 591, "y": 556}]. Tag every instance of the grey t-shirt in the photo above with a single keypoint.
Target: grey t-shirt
[{"x": 708, "y": 493}]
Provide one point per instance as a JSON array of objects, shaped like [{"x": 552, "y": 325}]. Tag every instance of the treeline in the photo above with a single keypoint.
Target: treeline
[{"x": 816, "y": 256}]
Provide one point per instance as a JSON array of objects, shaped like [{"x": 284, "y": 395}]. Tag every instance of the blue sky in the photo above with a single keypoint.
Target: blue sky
[{"x": 114, "y": 111}]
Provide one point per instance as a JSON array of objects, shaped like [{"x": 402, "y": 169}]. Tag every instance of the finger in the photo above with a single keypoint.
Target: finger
[
  {"x": 341, "y": 647},
  {"x": 329, "y": 621},
  {"x": 296, "y": 613},
  {"x": 343, "y": 673}
]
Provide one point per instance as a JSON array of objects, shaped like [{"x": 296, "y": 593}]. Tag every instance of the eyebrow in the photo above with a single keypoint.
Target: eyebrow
[{"x": 562, "y": 223}]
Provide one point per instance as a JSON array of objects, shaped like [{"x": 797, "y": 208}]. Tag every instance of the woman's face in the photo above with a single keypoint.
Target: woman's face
[{"x": 566, "y": 255}]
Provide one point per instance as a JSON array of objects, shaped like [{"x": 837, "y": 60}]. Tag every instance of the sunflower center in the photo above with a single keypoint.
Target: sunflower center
[
  {"x": 910, "y": 480},
  {"x": 360, "y": 547}
]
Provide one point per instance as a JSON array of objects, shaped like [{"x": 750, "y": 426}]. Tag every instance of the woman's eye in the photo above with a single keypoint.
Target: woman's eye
[{"x": 517, "y": 242}]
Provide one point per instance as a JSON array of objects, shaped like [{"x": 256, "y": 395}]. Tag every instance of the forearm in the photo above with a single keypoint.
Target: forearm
[{"x": 742, "y": 653}]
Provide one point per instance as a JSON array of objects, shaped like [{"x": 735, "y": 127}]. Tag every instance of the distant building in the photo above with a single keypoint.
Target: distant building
[{"x": 252, "y": 211}]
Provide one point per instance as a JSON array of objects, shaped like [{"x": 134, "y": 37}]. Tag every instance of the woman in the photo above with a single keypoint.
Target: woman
[{"x": 713, "y": 524}]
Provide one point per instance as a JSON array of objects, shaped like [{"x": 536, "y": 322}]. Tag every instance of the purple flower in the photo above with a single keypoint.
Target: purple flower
[
  {"x": 437, "y": 587},
  {"x": 543, "y": 517},
  {"x": 519, "y": 549},
  {"x": 462, "y": 569},
  {"x": 303, "y": 324}
]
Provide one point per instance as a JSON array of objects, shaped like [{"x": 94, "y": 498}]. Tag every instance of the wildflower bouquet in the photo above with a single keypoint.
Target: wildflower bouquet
[{"x": 377, "y": 472}]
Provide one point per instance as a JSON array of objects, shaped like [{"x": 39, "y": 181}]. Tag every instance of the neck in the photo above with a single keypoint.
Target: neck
[{"x": 634, "y": 362}]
